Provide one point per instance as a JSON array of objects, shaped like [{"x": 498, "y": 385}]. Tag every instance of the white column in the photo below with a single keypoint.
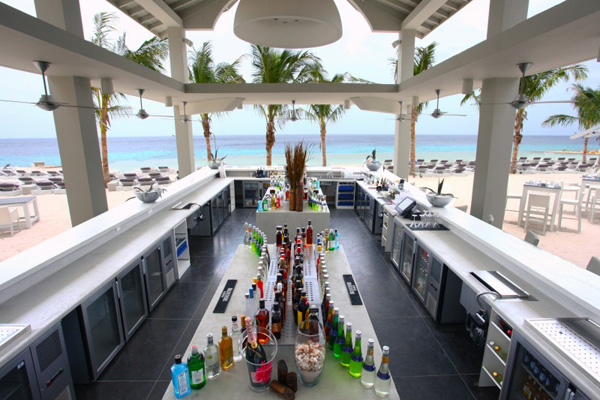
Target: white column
[
  {"x": 505, "y": 14},
  {"x": 75, "y": 127},
  {"x": 406, "y": 56},
  {"x": 184, "y": 135}
]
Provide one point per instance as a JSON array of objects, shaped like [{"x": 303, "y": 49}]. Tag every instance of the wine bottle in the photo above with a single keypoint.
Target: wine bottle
[
  {"x": 195, "y": 364},
  {"x": 356, "y": 360},
  {"x": 368, "y": 372},
  {"x": 259, "y": 370},
  {"x": 383, "y": 381},
  {"x": 225, "y": 350},
  {"x": 347, "y": 348}
]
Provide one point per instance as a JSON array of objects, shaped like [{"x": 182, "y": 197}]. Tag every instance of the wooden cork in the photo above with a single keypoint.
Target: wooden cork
[
  {"x": 292, "y": 381},
  {"x": 282, "y": 372},
  {"x": 283, "y": 391}
]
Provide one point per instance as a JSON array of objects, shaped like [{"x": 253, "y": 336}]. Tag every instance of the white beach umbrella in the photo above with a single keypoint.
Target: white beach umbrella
[{"x": 589, "y": 133}]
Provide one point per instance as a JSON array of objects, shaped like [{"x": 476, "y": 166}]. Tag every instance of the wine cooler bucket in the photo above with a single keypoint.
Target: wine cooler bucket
[{"x": 259, "y": 374}]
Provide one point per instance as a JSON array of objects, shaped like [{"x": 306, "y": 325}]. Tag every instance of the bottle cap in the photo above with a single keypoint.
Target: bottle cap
[
  {"x": 209, "y": 338},
  {"x": 247, "y": 295},
  {"x": 348, "y": 325},
  {"x": 178, "y": 359},
  {"x": 254, "y": 286},
  {"x": 357, "y": 334},
  {"x": 336, "y": 309},
  {"x": 234, "y": 318},
  {"x": 262, "y": 303},
  {"x": 194, "y": 349},
  {"x": 255, "y": 280},
  {"x": 276, "y": 307},
  {"x": 341, "y": 318},
  {"x": 224, "y": 330},
  {"x": 309, "y": 222},
  {"x": 331, "y": 302},
  {"x": 371, "y": 341},
  {"x": 386, "y": 350}
]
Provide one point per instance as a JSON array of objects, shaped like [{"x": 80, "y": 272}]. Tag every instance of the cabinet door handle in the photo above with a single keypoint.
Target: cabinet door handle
[{"x": 118, "y": 287}]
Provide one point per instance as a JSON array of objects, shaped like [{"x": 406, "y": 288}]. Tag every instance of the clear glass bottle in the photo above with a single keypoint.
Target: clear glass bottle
[
  {"x": 356, "y": 361},
  {"x": 211, "y": 358},
  {"x": 337, "y": 239},
  {"x": 195, "y": 364},
  {"x": 347, "y": 348},
  {"x": 383, "y": 380},
  {"x": 235, "y": 337},
  {"x": 180, "y": 377},
  {"x": 368, "y": 372},
  {"x": 225, "y": 350},
  {"x": 334, "y": 328}
]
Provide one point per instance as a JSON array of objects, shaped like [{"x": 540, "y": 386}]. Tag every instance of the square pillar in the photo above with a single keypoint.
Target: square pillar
[
  {"x": 79, "y": 149},
  {"x": 504, "y": 14},
  {"x": 184, "y": 136},
  {"x": 406, "y": 60},
  {"x": 494, "y": 146}
]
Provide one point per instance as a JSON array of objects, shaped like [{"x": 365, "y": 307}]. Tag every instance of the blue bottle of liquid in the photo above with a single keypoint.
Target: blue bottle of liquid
[{"x": 181, "y": 378}]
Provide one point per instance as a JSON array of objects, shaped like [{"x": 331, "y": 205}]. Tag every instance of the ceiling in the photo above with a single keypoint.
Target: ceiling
[{"x": 381, "y": 15}]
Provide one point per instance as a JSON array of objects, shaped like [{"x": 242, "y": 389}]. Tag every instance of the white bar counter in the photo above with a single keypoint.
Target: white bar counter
[{"x": 335, "y": 384}]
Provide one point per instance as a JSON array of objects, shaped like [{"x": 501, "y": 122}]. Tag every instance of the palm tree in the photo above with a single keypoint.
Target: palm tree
[
  {"x": 424, "y": 59},
  {"x": 204, "y": 70},
  {"x": 587, "y": 104},
  {"x": 150, "y": 54},
  {"x": 325, "y": 113},
  {"x": 279, "y": 66}
]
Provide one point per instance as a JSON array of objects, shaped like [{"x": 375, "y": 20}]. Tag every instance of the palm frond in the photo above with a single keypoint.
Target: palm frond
[{"x": 103, "y": 27}]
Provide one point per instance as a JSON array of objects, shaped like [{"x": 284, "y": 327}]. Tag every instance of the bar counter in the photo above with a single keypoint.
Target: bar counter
[
  {"x": 335, "y": 384},
  {"x": 267, "y": 221}
]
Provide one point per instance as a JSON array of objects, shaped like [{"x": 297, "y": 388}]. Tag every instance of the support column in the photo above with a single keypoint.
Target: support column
[
  {"x": 184, "y": 136},
  {"x": 494, "y": 145},
  {"x": 406, "y": 57},
  {"x": 504, "y": 14},
  {"x": 75, "y": 127}
]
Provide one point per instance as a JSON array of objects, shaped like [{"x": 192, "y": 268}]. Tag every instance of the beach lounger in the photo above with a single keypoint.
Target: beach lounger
[
  {"x": 8, "y": 187},
  {"x": 21, "y": 173},
  {"x": 60, "y": 184},
  {"x": 444, "y": 162},
  {"x": 459, "y": 170},
  {"x": 145, "y": 181},
  {"x": 145, "y": 170},
  {"x": 36, "y": 173},
  {"x": 8, "y": 172},
  {"x": 522, "y": 159},
  {"x": 127, "y": 181},
  {"x": 537, "y": 158},
  {"x": 422, "y": 169},
  {"x": 45, "y": 185},
  {"x": 547, "y": 159},
  {"x": 583, "y": 167},
  {"x": 27, "y": 180},
  {"x": 440, "y": 170},
  {"x": 155, "y": 175},
  {"x": 163, "y": 169},
  {"x": 53, "y": 173},
  {"x": 560, "y": 168},
  {"x": 542, "y": 167},
  {"x": 560, "y": 159},
  {"x": 130, "y": 175},
  {"x": 163, "y": 180}
]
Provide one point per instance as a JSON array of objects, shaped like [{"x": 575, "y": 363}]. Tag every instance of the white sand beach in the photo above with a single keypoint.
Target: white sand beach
[{"x": 566, "y": 243}]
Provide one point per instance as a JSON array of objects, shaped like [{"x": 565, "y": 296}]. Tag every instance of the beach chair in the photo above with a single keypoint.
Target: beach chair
[
  {"x": 439, "y": 170},
  {"x": 127, "y": 182},
  {"x": 542, "y": 167},
  {"x": 522, "y": 159},
  {"x": 45, "y": 185},
  {"x": 444, "y": 162},
  {"x": 577, "y": 204},
  {"x": 422, "y": 169},
  {"x": 9, "y": 218},
  {"x": 8, "y": 172},
  {"x": 560, "y": 168},
  {"x": 163, "y": 180},
  {"x": 387, "y": 165},
  {"x": 60, "y": 184},
  {"x": 420, "y": 161},
  {"x": 459, "y": 170},
  {"x": 163, "y": 169},
  {"x": 145, "y": 181},
  {"x": 130, "y": 175},
  {"x": 27, "y": 180},
  {"x": 538, "y": 205},
  {"x": 8, "y": 187},
  {"x": 592, "y": 160},
  {"x": 36, "y": 173},
  {"x": 537, "y": 159},
  {"x": 433, "y": 163},
  {"x": 146, "y": 170},
  {"x": 53, "y": 173},
  {"x": 155, "y": 175},
  {"x": 21, "y": 173},
  {"x": 547, "y": 159},
  {"x": 583, "y": 167},
  {"x": 559, "y": 159}
]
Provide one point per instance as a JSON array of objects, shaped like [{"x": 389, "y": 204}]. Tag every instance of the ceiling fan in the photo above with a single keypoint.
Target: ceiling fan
[
  {"x": 46, "y": 101},
  {"x": 439, "y": 113},
  {"x": 402, "y": 117},
  {"x": 143, "y": 114},
  {"x": 521, "y": 101}
]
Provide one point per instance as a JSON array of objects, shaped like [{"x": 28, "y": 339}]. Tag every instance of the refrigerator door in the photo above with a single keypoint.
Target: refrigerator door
[
  {"x": 421, "y": 273},
  {"x": 407, "y": 257},
  {"x": 153, "y": 274},
  {"x": 396, "y": 245},
  {"x": 132, "y": 296},
  {"x": 529, "y": 372},
  {"x": 17, "y": 379}
]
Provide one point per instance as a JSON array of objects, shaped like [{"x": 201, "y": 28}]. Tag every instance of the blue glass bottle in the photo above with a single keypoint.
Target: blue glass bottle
[{"x": 181, "y": 378}]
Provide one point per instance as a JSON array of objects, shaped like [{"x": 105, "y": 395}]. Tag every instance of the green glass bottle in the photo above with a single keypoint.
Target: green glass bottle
[
  {"x": 356, "y": 361},
  {"x": 334, "y": 327},
  {"x": 331, "y": 240},
  {"x": 347, "y": 348},
  {"x": 195, "y": 364},
  {"x": 339, "y": 338}
]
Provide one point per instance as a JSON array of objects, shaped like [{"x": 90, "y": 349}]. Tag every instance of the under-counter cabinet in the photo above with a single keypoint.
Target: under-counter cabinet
[
  {"x": 17, "y": 379},
  {"x": 132, "y": 298},
  {"x": 153, "y": 276},
  {"x": 103, "y": 327},
  {"x": 52, "y": 366}
]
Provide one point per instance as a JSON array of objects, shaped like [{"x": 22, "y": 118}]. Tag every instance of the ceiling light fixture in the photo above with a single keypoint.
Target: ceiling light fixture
[{"x": 288, "y": 24}]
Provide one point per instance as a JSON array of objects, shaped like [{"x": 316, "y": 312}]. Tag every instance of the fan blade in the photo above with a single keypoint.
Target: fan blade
[
  {"x": 453, "y": 115},
  {"x": 73, "y": 106},
  {"x": 16, "y": 101},
  {"x": 554, "y": 102}
]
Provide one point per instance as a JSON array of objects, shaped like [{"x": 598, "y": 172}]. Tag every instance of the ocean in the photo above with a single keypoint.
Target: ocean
[{"x": 128, "y": 153}]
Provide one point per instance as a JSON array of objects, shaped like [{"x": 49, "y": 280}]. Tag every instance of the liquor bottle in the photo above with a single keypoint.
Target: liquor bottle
[
  {"x": 249, "y": 304},
  {"x": 329, "y": 321},
  {"x": 181, "y": 378},
  {"x": 339, "y": 338},
  {"x": 235, "y": 337},
  {"x": 279, "y": 237},
  {"x": 225, "y": 350},
  {"x": 195, "y": 363},
  {"x": 325, "y": 305},
  {"x": 256, "y": 296},
  {"x": 265, "y": 204},
  {"x": 302, "y": 308},
  {"x": 262, "y": 315},
  {"x": 276, "y": 321},
  {"x": 256, "y": 356},
  {"x": 331, "y": 240},
  {"x": 211, "y": 356},
  {"x": 337, "y": 239},
  {"x": 309, "y": 234},
  {"x": 325, "y": 236},
  {"x": 356, "y": 360},
  {"x": 245, "y": 234},
  {"x": 334, "y": 328},
  {"x": 383, "y": 381},
  {"x": 319, "y": 244},
  {"x": 311, "y": 325},
  {"x": 260, "y": 285},
  {"x": 347, "y": 348},
  {"x": 368, "y": 373},
  {"x": 303, "y": 237}
]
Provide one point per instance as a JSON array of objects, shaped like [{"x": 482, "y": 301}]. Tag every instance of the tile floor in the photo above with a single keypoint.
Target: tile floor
[{"x": 428, "y": 361}]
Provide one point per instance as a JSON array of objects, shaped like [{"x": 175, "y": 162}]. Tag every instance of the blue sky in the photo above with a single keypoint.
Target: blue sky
[{"x": 360, "y": 52}]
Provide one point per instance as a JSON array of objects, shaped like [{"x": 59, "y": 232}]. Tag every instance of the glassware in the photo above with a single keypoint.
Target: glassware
[
  {"x": 235, "y": 337},
  {"x": 356, "y": 361},
  {"x": 368, "y": 372},
  {"x": 211, "y": 356},
  {"x": 384, "y": 380},
  {"x": 309, "y": 350},
  {"x": 259, "y": 358}
]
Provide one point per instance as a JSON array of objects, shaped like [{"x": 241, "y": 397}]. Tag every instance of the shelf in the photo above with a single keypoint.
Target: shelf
[
  {"x": 526, "y": 368},
  {"x": 489, "y": 375},
  {"x": 495, "y": 353}
]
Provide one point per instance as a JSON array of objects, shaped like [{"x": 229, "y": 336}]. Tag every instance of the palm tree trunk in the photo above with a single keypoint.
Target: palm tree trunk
[
  {"x": 270, "y": 140},
  {"x": 413, "y": 125},
  {"x": 585, "y": 145},
  {"x": 517, "y": 140},
  {"x": 323, "y": 148},
  {"x": 103, "y": 130},
  {"x": 207, "y": 133}
]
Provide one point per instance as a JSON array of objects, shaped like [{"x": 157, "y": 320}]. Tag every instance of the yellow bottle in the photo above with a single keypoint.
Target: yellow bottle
[{"x": 226, "y": 350}]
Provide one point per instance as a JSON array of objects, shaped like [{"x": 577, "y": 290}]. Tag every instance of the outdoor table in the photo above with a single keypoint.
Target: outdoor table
[
  {"x": 555, "y": 190},
  {"x": 335, "y": 383},
  {"x": 24, "y": 203}
]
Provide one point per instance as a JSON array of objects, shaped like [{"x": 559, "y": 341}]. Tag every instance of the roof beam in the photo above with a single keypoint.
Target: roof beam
[
  {"x": 421, "y": 13},
  {"x": 162, "y": 12}
]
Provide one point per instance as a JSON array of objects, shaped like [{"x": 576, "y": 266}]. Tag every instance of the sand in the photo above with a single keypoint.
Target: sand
[{"x": 566, "y": 243}]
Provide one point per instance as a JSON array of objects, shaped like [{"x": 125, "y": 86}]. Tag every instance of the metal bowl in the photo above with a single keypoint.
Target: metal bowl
[
  {"x": 374, "y": 165},
  {"x": 439, "y": 200},
  {"x": 147, "y": 197}
]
